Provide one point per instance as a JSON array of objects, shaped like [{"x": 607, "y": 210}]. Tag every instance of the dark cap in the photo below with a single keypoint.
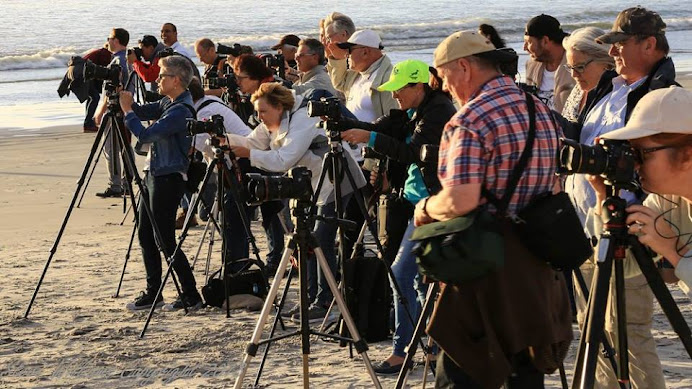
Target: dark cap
[
  {"x": 290, "y": 40},
  {"x": 545, "y": 25},
  {"x": 634, "y": 21},
  {"x": 149, "y": 40}
]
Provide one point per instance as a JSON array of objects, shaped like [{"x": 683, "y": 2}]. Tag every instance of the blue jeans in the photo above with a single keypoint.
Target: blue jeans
[
  {"x": 412, "y": 288},
  {"x": 164, "y": 196},
  {"x": 318, "y": 287}
]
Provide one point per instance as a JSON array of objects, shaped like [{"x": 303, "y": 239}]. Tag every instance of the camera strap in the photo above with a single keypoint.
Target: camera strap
[{"x": 518, "y": 171}]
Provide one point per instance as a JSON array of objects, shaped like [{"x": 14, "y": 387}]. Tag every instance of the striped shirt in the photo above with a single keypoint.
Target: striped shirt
[{"x": 484, "y": 140}]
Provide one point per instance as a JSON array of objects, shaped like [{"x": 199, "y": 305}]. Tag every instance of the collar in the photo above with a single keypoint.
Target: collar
[
  {"x": 500, "y": 81},
  {"x": 312, "y": 73},
  {"x": 619, "y": 82},
  {"x": 373, "y": 68}
]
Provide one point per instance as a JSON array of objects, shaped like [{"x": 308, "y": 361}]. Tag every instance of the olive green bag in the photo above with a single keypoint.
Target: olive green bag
[{"x": 460, "y": 250}]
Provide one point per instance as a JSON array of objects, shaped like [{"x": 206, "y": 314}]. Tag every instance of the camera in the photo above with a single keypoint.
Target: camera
[
  {"x": 296, "y": 184},
  {"x": 614, "y": 160},
  {"x": 228, "y": 50},
  {"x": 212, "y": 126},
  {"x": 326, "y": 106},
  {"x": 110, "y": 74},
  {"x": 138, "y": 52},
  {"x": 229, "y": 81},
  {"x": 277, "y": 62}
]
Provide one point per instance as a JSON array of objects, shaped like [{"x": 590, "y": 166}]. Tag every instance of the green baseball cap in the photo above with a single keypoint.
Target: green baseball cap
[{"x": 404, "y": 73}]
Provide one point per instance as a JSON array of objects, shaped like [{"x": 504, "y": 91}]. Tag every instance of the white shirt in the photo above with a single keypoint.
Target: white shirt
[
  {"x": 546, "y": 91},
  {"x": 359, "y": 102},
  {"x": 231, "y": 122},
  {"x": 179, "y": 48}
]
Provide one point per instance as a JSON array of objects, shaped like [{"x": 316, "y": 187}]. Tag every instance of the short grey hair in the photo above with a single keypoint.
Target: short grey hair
[
  {"x": 315, "y": 47},
  {"x": 584, "y": 41},
  {"x": 340, "y": 23},
  {"x": 178, "y": 66}
]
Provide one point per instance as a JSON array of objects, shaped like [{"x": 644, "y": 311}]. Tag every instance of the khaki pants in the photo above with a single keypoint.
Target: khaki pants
[{"x": 645, "y": 367}]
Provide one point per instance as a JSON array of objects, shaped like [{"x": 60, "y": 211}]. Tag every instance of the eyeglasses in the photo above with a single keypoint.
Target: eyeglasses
[
  {"x": 162, "y": 75},
  {"x": 304, "y": 55},
  {"x": 110, "y": 37},
  {"x": 239, "y": 77},
  {"x": 578, "y": 68},
  {"x": 620, "y": 45},
  {"x": 640, "y": 153}
]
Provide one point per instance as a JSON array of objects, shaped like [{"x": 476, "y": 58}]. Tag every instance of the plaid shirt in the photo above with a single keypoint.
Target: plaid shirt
[{"x": 484, "y": 140}]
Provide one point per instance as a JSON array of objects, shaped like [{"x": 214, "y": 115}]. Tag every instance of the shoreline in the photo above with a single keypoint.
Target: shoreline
[{"x": 67, "y": 114}]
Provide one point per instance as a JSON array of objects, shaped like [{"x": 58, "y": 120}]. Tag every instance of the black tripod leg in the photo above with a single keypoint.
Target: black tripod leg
[
  {"x": 93, "y": 168},
  {"x": 417, "y": 333},
  {"x": 80, "y": 183},
  {"x": 133, "y": 205},
  {"x": 608, "y": 351},
  {"x": 658, "y": 287},
  {"x": 276, "y": 321},
  {"x": 127, "y": 258},
  {"x": 587, "y": 356},
  {"x": 623, "y": 372}
]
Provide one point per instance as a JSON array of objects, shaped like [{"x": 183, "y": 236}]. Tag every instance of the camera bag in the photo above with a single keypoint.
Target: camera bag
[
  {"x": 246, "y": 280},
  {"x": 548, "y": 226}
]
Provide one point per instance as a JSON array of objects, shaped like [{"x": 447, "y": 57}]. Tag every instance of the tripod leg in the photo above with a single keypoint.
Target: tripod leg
[
  {"x": 80, "y": 183},
  {"x": 608, "y": 351},
  {"x": 93, "y": 168},
  {"x": 660, "y": 290},
  {"x": 417, "y": 333},
  {"x": 133, "y": 205},
  {"x": 623, "y": 372},
  {"x": 127, "y": 258},
  {"x": 274, "y": 324},
  {"x": 359, "y": 344},
  {"x": 252, "y": 347},
  {"x": 593, "y": 331}
]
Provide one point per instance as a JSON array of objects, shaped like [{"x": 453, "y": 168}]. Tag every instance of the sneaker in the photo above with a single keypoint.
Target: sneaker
[
  {"x": 144, "y": 301},
  {"x": 384, "y": 368},
  {"x": 110, "y": 192},
  {"x": 180, "y": 220},
  {"x": 193, "y": 303},
  {"x": 90, "y": 129},
  {"x": 315, "y": 314},
  {"x": 290, "y": 312}
]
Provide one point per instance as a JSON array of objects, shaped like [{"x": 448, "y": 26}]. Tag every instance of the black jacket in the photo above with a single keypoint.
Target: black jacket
[
  {"x": 425, "y": 127},
  {"x": 661, "y": 76},
  {"x": 73, "y": 81}
]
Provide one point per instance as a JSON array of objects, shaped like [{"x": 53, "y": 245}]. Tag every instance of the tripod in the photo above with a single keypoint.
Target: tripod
[
  {"x": 611, "y": 252},
  {"x": 303, "y": 240},
  {"x": 334, "y": 164},
  {"x": 111, "y": 121},
  {"x": 226, "y": 174}
]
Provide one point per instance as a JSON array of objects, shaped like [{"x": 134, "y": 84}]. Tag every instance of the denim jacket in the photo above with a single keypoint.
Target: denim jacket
[{"x": 168, "y": 134}]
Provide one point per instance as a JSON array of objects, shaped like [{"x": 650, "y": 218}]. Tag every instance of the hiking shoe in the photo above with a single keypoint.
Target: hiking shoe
[
  {"x": 315, "y": 314},
  {"x": 90, "y": 129},
  {"x": 144, "y": 301},
  {"x": 193, "y": 303},
  {"x": 290, "y": 312},
  {"x": 110, "y": 192},
  {"x": 384, "y": 368}
]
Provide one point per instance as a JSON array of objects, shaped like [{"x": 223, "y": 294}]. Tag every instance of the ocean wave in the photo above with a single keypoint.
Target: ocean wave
[{"x": 399, "y": 36}]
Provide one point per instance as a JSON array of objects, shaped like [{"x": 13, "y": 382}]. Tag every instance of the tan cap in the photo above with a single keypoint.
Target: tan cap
[
  {"x": 667, "y": 110},
  {"x": 465, "y": 43}
]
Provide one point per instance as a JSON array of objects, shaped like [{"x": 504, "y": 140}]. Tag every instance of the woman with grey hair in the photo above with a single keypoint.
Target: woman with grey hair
[
  {"x": 164, "y": 179},
  {"x": 588, "y": 63}
]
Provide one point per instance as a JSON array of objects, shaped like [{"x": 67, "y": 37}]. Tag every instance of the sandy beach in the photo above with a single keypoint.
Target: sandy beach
[{"x": 79, "y": 336}]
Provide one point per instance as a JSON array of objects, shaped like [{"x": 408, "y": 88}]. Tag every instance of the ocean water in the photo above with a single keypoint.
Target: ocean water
[{"x": 39, "y": 37}]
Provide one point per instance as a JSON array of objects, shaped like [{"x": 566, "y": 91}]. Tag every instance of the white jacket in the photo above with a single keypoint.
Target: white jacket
[{"x": 288, "y": 147}]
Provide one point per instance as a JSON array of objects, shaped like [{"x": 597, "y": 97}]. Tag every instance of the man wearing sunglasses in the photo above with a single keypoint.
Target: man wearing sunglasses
[
  {"x": 639, "y": 48},
  {"x": 313, "y": 75}
]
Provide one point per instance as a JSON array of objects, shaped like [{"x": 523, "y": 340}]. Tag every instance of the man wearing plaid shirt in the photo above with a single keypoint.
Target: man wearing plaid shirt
[{"x": 480, "y": 146}]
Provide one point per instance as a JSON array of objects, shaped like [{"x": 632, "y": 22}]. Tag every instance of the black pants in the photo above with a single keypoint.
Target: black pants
[
  {"x": 524, "y": 375},
  {"x": 165, "y": 193}
]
